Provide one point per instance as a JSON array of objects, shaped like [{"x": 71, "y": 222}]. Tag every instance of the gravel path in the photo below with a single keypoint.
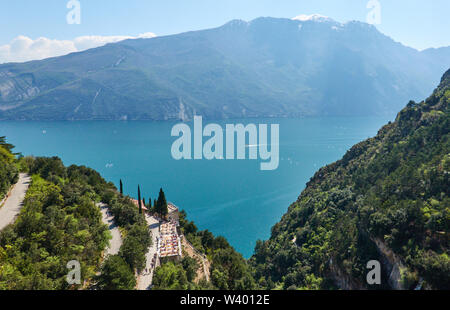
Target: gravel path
[
  {"x": 108, "y": 219},
  {"x": 13, "y": 203}
]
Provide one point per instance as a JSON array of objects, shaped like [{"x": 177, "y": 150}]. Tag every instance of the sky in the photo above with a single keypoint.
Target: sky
[{"x": 38, "y": 29}]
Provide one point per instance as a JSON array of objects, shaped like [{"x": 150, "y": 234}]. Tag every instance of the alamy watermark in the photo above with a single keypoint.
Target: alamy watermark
[
  {"x": 236, "y": 146},
  {"x": 74, "y": 274},
  {"x": 374, "y": 275},
  {"x": 374, "y": 15},
  {"x": 74, "y": 15}
]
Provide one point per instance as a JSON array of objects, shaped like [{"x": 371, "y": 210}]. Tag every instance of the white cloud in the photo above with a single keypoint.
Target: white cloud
[{"x": 23, "y": 48}]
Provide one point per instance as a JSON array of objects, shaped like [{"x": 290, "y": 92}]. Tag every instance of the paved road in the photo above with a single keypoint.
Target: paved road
[
  {"x": 13, "y": 203},
  {"x": 146, "y": 276},
  {"x": 108, "y": 219}
]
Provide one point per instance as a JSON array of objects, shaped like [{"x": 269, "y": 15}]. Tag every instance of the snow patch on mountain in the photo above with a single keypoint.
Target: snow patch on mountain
[{"x": 313, "y": 17}]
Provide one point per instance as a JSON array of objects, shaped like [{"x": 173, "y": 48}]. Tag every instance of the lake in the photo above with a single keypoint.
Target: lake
[{"x": 233, "y": 198}]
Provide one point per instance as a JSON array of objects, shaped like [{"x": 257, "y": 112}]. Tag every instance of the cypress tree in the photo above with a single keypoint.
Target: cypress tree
[
  {"x": 139, "y": 200},
  {"x": 162, "y": 204},
  {"x": 121, "y": 187}
]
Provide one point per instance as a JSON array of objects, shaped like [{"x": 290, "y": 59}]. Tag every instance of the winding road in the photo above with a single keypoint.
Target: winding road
[
  {"x": 14, "y": 201},
  {"x": 145, "y": 278},
  {"x": 108, "y": 219}
]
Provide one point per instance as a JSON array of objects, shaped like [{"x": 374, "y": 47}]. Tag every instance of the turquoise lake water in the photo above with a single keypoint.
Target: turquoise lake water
[{"x": 233, "y": 198}]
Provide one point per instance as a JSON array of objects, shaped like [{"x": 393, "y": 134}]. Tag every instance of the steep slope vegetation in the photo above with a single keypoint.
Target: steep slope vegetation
[
  {"x": 60, "y": 222},
  {"x": 8, "y": 170},
  {"x": 267, "y": 67},
  {"x": 387, "y": 199}
]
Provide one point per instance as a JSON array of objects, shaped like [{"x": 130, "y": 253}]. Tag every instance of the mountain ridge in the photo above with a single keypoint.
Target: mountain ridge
[{"x": 268, "y": 67}]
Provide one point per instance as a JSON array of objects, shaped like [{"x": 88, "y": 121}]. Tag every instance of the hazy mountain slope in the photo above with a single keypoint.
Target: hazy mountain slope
[
  {"x": 387, "y": 199},
  {"x": 266, "y": 67},
  {"x": 441, "y": 54}
]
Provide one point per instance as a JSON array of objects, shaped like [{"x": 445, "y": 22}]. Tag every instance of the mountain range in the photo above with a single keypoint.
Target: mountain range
[{"x": 268, "y": 67}]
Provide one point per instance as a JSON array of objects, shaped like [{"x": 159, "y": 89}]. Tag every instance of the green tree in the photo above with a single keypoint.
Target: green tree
[
  {"x": 116, "y": 274},
  {"x": 161, "y": 204},
  {"x": 139, "y": 200},
  {"x": 135, "y": 246},
  {"x": 170, "y": 276},
  {"x": 6, "y": 145},
  {"x": 190, "y": 265}
]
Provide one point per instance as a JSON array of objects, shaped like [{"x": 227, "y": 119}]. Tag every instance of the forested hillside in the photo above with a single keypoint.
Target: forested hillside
[
  {"x": 118, "y": 271},
  {"x": 60, "y": 222},
  {"x": 8, "y": 171},
  {"x": 387, "y": 199}
]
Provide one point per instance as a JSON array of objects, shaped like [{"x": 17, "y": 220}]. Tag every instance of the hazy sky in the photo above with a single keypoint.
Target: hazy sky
[{"x": 416, "y": 23}]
